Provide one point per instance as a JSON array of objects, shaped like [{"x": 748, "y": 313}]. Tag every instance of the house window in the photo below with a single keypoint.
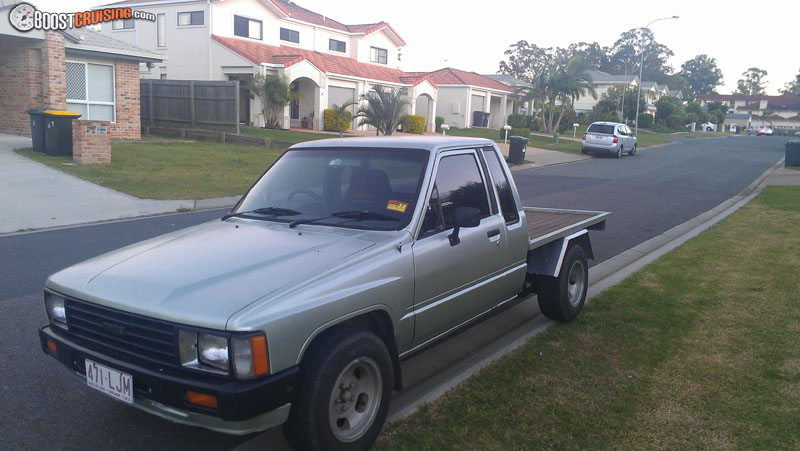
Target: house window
[
  {"x": 290, "y": 35},
  {"x": 123, "y": 24},
  {"x": 337, "y": 46},
  {"x": 247, "y": 28},
  {"x": 188, "y": 18},
  {"x": 294, "y": 111},
  {"x": 90, "y": 90},
  {"x": 161, "y": 30},
  {"x": 377, "y": 55}
]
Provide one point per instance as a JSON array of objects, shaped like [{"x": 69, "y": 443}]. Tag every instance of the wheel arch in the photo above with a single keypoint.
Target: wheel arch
[{"x": 375, "y": 319}]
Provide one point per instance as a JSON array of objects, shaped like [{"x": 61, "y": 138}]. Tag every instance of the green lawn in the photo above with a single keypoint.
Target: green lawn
[
  {"x": 564, "y": 145},
  {"x": 172, "y": 170},
  {"x": 292, "y": 136},
  {"x": 699, "y": 350},
  {"x": 646, "y": 138},
  {"x": 487, "y": 133}
]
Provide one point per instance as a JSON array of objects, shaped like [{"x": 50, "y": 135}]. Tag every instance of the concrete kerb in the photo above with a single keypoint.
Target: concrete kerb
[{"x": 602, "y": 277}]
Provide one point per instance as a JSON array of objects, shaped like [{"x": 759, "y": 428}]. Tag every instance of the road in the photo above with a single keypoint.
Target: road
[{"x": 43, "y": 407}]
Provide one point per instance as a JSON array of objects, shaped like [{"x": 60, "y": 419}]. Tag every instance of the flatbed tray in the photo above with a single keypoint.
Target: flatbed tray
[{"x": 549, "y": 224}]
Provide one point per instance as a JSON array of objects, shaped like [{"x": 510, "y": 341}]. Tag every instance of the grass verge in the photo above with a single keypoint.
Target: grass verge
[
  {"x": 697, "y": 350},
  {"x": 172, "y": 170},
  {"x": 292, "y": 136}
]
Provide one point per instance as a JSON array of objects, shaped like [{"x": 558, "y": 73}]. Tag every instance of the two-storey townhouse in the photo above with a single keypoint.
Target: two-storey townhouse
[{"x": 327, "y": 61}]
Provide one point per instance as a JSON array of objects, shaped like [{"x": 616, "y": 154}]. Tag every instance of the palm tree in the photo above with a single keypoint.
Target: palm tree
[
  {"x": 383, "y": 109},
  {"x": 574, "y": 82},
  {"x": 765, "y": 116},
  {"x": 275, "y": 92},
  {"x": 342, "y": 115}
]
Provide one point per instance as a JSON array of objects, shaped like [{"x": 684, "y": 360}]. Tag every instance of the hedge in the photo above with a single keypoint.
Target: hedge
[
  {"x": 645, "y": 120},
  {"x": 332, "y": 120},
  {"x": 524, "y": 132},
  {"x": 414, "y": 123}
]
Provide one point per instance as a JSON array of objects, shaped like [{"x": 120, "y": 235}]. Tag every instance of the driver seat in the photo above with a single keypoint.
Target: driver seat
[{"x": 369, "y": 191}]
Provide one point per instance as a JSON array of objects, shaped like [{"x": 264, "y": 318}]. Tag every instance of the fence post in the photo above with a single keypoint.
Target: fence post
[
  {"x": 150, "y": 98},
  {"x": 191, "y": 101},
  {"x": 238, "y": 107}
]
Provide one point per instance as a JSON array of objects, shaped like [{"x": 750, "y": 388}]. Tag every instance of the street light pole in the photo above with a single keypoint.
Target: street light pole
[{"x": 641, "y": 62}]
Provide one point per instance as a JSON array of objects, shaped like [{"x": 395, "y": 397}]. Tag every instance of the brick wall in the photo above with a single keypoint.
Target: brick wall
[
  {"x": 53, "y": 73},
  {"x": 89, "y": 144},
  {"x": 20, "y": 83},
  {"x": 128, "y": 124}
]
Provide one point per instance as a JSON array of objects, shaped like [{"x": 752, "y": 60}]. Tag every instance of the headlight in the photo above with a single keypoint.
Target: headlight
[
  {"x": 56, "y": 312},
  {"x": 213, "y": 351},
  {"x": 203, "y": 351}
]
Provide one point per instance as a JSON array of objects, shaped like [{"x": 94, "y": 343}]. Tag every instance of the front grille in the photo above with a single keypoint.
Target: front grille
[{"x": 121, "y": 334}]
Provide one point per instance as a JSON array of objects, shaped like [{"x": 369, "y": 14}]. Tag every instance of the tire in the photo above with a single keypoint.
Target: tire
[
  {"x": 618, "y": 153},
  {"x": 632, "y": 151},
  {"x": 584, "y": 151},
  {"x": 347, "y": 377},
  {"x": 562, "y": 297}
]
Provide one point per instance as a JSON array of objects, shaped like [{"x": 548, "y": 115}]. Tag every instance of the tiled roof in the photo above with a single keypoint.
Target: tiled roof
[
  {"x": 86, "y": 39},
  {"x": 750, "y": 106},
  {"x": 509, "y": 80},
  {"x": 259, "y": 53},
  {"x": 606, "y": 78},
  {"x": 450, "y": 76}
]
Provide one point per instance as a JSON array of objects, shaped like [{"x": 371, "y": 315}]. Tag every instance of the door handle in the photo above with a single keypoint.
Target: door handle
[{"x": 492, "y": 233}]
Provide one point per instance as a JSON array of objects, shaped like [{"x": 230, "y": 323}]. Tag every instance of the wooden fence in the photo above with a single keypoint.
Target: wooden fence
[{"x": 208, "y": 105}]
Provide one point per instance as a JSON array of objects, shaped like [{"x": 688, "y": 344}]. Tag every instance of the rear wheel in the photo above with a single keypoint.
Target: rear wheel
[
  {"x": 345, "y": 391},
  {"x": 618, "y": 153},
  {"x": 562, "y": 297}
]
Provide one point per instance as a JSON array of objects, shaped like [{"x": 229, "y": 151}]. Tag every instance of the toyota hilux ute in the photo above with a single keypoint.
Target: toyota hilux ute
[{"x": 296, "y": 308}]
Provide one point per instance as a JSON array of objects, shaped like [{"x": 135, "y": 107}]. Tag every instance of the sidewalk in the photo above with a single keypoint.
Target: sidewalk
[{"x": 33, "y": 196}]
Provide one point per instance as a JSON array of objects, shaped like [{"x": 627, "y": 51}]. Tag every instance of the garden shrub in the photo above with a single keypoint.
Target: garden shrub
[
  {"x": 439, "y": 121},
  {"x": 645, "y": 120},
  {"x": 414, "y": 123},
  {"x": 524, "y": 132},
  {"x": 332, "y": 120}
]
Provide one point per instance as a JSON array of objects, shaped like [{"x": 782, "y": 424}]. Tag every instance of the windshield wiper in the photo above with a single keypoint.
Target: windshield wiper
[
  {"x": 265, "y": 211},
  {"x": 346, "y": 214}
]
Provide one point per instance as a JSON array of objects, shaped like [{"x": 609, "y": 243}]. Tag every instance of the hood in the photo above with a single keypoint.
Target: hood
[{"x": 202, "y": 275}]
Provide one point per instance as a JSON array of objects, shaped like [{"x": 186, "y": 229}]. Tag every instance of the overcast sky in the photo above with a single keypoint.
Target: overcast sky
[{"x": 472, "y": 35}]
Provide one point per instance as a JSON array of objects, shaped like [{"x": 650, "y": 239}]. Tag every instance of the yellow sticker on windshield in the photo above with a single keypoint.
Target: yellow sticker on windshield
[{"x": 396, "y": 205}]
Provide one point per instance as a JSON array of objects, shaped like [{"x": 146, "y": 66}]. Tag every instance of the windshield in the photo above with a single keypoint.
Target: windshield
[
  {"x": 601, "y": 128},
  {"x": 365, "y": 188}
]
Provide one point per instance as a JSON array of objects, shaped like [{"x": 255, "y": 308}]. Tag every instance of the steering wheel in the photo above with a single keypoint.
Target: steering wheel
[{"x": 316, "y": 197}]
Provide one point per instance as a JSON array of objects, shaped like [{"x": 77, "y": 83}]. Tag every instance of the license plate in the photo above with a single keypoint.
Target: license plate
[{"x": 109, "y": 381}]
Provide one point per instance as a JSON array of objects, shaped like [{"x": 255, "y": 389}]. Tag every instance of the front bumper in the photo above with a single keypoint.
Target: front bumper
[{"x": 243, "y": 406}]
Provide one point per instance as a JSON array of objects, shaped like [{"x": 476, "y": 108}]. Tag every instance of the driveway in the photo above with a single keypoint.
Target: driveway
[{"x": 33, "y": 196}]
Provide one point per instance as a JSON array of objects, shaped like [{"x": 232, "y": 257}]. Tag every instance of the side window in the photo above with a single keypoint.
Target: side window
[
  {"x": 458, "y": 184},
  {"x": 507, "y": 204}
]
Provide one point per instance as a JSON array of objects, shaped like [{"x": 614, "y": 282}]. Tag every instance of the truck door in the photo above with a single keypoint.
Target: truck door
[{"x": 455, "y": 282}]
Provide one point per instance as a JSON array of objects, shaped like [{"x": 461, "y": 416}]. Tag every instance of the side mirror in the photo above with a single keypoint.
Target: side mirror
[{"x": 464, "y": 217}]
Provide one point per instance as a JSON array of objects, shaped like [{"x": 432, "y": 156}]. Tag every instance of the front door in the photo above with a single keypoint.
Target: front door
[{"x": 456, "y": 282}]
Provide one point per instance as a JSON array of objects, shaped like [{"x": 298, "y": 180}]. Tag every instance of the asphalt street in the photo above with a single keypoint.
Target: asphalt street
[{"x": 44, "y": 407}]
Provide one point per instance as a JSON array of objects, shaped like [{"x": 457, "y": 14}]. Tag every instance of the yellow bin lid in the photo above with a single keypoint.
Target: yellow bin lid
[{"x": 62, "y": 113}]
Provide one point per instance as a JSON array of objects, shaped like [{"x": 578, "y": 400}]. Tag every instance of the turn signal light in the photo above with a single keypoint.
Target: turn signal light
[
  {"x": 51, "y": 345},
  {"x": 201, "y": 399},
  {"x": 260, "y": 361}
]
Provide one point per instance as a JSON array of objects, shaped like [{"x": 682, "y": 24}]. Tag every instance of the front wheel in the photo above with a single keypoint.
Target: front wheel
[
  {"x": 344, "y": 393},
  {"x": 562, "y": 297},
  {"x": 633, "y": 151}
]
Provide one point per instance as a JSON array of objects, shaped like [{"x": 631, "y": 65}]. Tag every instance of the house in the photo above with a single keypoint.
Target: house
[
  {"x": 520, "y": 87},
  {"x": 79, "y": 70},
  {"x": 781, "y": 111},
  {"x": 651, "y": 93},
  {"x": 602, "y": 82},
  {"x": 328, "y": 62}
]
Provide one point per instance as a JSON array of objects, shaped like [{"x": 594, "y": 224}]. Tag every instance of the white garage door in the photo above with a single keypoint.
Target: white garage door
[
  {"x": 477, "y": 103},
  {"x": 340, "y": 96}
]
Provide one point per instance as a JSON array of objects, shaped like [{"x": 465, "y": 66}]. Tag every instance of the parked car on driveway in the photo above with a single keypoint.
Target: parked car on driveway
[
  {"x": 760, "y": 130},
  {"x": 346, "y": 256},
  {"x": 610, "y": 137}
]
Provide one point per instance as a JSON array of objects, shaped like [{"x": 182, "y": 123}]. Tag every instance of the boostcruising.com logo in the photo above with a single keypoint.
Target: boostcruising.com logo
[{"x": 25, "y": 17}]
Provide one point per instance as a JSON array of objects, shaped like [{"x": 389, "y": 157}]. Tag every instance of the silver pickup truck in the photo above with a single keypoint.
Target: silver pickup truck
[{"x": 346, "y": 256}]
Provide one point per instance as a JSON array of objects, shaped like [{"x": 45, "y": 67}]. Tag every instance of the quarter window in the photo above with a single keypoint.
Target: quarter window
[
  {"x": 337, "y": 46},
  {"x": 502, "y": 186},
  {"x": 458, "y": 184},
  {"x": 290, "y": 35},
  {"x": 378, "y": 55},
  {"x": 188, "y": 18},
  {"x": 90, "y": 90},
  {"x": 248, "y": 28}
]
